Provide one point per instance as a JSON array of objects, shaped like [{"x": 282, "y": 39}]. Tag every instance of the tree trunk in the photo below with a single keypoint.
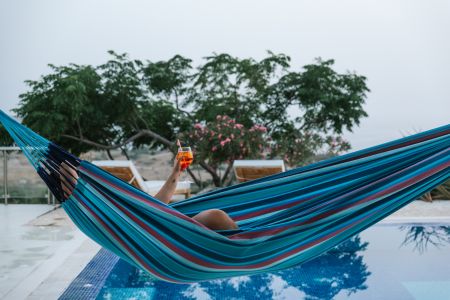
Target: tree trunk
[
  {"x": 109, "y": 154},
  {"x": 197, "y": 182},
  {"x": 125, "y": 153},
  {"x": 227, "y": 172},
  {"x": 216, "y": 180}
]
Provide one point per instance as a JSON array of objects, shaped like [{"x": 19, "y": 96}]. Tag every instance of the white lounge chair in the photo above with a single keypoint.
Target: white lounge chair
[
  {"x": 246, "y": 170},
  {"x": 126, "y": 170}
]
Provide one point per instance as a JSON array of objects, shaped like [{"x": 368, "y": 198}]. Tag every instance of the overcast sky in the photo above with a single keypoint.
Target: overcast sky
[{"x": 403, "y": 47}]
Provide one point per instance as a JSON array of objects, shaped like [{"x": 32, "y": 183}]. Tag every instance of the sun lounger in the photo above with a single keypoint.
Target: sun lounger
[
  {"x": 246, "y": 170},
  {"x": 127, "y": 171}
]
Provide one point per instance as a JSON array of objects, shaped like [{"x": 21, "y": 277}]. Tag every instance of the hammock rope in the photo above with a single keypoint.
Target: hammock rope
[{"x": 284, "y": 219}]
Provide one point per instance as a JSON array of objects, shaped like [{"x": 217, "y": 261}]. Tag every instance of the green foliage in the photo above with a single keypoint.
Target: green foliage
[
  {"x": 304, "y": 146},
  {"x": 161, "y": 117},
  {"x": 167, "y": 78},
  {"x": 130, "y": 102},
  {"x": 66, "y": 102}
]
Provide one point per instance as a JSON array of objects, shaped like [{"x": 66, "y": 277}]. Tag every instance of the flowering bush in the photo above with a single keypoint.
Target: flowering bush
[
  {"x": 305, "y": 147},
  {"x": 225, "y": 140}
]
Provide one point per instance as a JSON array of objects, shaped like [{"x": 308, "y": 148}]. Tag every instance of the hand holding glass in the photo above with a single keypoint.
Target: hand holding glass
[{"x": 185, "y": 157}]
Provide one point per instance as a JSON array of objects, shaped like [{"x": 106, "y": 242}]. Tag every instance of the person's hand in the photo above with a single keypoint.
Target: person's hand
[{"x": 69, "y": 177}]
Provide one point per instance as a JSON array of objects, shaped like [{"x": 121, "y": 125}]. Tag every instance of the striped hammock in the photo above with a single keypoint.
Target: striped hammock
[{"x": 284, "y": 219}]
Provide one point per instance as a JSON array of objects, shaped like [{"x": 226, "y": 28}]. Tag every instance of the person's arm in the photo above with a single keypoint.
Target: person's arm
[{"x": 166, "y": 192}]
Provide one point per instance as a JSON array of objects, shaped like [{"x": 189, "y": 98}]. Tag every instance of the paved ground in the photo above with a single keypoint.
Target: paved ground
[
  {"x": 28, "y": 254},
  {"x": 59, "y": 279},
  {"x": 21, "y": 248},
  {"x": 41, "y": 251},
  {"x": 422, "y": 209}
]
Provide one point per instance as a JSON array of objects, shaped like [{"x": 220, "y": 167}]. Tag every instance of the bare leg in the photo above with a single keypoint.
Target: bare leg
[{"x": 216, "y": 219}]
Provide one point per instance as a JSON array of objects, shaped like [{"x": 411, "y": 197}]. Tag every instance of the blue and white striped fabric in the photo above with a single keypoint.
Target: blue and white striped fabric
[{"x": 284, "y": 219}]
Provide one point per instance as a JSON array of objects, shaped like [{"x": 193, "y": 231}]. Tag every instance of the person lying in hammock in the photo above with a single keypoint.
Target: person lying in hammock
[{"x": 214, "y": 219}]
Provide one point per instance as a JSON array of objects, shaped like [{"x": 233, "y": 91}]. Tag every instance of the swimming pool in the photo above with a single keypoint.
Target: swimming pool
[{"x": 408, "y": 261}]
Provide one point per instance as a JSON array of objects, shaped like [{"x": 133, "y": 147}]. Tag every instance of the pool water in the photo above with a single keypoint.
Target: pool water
[{"x": 383, "y": 262}]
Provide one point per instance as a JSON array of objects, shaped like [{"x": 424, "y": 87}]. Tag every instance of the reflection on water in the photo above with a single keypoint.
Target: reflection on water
[
  {"x": 340, "y": 269},
  {"x": 421, "y": 237}
]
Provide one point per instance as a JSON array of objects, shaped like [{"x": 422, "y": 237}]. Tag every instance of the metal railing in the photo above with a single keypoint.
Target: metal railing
[{"x": 5, "y": 151}]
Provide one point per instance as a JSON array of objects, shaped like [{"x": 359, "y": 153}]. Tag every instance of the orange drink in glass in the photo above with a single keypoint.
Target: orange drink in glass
[{"x": 185, "y": 157}]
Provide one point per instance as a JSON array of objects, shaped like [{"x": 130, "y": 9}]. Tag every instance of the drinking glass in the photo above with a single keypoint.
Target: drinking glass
[{"x": 185, "y": 156}]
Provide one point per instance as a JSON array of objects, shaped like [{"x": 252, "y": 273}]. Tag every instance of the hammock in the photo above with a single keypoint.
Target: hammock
[{"x": 284, "y": 219}]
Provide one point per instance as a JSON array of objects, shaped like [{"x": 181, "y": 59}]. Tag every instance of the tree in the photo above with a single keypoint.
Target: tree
[
  {"x": 266, "y": 91},
  {"x": 125, "y": 103},
  {"x": 87, "y": 108},
  {"x": 67, "y": 102}
]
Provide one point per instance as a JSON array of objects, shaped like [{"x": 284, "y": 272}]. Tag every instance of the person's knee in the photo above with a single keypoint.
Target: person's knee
[
  {"x": 216, "y": 219},
  {"x": 216, "y": 214}
]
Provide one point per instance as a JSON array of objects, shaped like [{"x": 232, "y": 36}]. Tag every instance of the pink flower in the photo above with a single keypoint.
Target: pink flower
[
  {"x": 225, "y": 141},
  {"x": 214, "y": 148},
  {"x": 219, "y": 136},
  {"x": 232, "y": 136},
  {"x": 258, "y": 128},
  {"x": 219, "y": 117},
  {"x": 198, "y": 126},
  {"x": 238, "y": 126}
]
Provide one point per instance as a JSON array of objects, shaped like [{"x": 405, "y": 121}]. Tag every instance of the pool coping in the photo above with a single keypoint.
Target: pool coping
[
  {"x": 53, "y": 285},
  {"x": 90, "y": 281}
]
